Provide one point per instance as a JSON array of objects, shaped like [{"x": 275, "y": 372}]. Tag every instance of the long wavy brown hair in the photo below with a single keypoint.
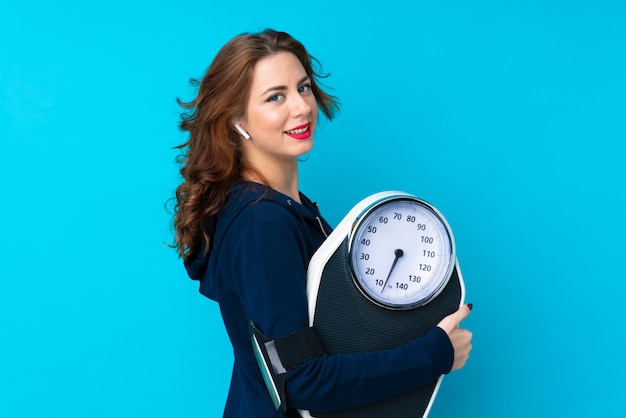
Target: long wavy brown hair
[{"x": 211, "y": 158}]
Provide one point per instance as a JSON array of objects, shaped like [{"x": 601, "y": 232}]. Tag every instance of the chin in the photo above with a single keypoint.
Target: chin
[{"x": 304, "y": 147}]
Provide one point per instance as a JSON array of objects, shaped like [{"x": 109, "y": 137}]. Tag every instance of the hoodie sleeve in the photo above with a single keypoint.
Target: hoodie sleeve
[
  {"x": 270, "y": 262},
  {"x": 270, "y": 268}
]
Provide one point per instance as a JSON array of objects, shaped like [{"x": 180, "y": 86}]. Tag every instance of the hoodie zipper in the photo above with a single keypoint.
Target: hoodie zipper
[{"x": 319, "y": 221}]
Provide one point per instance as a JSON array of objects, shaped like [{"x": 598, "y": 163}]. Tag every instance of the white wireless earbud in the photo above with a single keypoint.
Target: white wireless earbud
[{"x": 242, "y": 131}]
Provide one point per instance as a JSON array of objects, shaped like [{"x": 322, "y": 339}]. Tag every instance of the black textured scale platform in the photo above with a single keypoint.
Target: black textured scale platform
[{"x": 343, "y": 321}]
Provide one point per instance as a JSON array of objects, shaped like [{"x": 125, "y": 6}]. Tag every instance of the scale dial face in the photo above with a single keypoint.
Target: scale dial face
[{"x": 401, "y": 252}]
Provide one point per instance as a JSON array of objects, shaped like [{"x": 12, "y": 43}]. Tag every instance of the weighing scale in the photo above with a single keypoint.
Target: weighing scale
[{"x": 386, "y": 275}]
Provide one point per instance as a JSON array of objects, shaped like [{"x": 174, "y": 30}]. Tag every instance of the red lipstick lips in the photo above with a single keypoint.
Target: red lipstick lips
[{"x": 300, "y": 132}]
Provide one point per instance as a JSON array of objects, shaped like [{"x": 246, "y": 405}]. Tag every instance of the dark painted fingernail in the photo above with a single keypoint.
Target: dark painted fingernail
[{"x": 470, "y": 306}]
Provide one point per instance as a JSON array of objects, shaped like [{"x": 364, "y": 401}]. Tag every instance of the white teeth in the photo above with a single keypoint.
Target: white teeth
[{"x": 297, "y": 131}]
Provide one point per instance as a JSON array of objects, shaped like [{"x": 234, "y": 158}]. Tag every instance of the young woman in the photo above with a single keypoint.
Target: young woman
[{"x": 247, "y": 233}]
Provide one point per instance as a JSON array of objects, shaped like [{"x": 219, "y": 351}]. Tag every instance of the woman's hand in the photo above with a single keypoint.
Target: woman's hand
[{"x": 460, "y": 338}]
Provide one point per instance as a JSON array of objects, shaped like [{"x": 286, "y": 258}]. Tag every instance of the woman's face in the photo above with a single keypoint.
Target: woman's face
[{"x": 281, "y": 113}]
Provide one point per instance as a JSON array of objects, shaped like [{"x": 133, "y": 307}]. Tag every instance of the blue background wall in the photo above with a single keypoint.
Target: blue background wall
[{"x": 508, "y": 116}]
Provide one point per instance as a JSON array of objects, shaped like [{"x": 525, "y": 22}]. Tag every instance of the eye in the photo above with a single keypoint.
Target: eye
[
  {"x": 274, "y": 98},
  {"x": 305, "y": 88}
]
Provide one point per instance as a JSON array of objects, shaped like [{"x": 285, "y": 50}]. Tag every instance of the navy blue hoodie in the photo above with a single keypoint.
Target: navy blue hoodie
[{"x": 256, "y": 271}]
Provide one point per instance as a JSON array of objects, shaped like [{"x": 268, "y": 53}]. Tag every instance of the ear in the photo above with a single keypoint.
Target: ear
[{"x": 242, "y": 131}]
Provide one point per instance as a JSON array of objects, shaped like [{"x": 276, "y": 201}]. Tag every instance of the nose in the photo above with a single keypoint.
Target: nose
[{"x": 301, "y": 106}]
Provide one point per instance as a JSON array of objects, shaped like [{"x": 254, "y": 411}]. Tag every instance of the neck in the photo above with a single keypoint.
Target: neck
[
  {"x": 288, "y": 186},
  {"x": 282, "y": 178}
]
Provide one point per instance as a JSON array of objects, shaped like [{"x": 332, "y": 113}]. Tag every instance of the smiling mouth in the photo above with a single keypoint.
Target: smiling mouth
[{"x": 299, "y": 130}]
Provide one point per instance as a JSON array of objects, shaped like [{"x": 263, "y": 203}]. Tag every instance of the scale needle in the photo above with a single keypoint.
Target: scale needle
[{"x": 398, "y": 253}]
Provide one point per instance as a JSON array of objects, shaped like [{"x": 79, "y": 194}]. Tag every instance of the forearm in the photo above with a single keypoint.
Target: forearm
[{"x": 340, "y": 381}]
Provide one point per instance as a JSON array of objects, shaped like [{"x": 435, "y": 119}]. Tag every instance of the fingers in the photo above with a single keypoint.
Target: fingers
[
  {"x": 462, "y": 312},
  {"x": 461, "y": 340},
  {"x": 452, "y": 321}
]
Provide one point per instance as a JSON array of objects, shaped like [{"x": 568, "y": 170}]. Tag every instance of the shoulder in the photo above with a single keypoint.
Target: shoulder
[
  {"x": 254, "y": 208},
  {"x": 254, "y": 202}
]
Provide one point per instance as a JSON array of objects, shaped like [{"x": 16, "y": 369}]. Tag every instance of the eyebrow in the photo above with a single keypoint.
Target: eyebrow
[{"x": 279, "y": 88}]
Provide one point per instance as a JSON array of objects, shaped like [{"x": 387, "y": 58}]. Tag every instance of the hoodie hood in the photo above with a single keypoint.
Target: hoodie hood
[{"x": 238, "y": 198}]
